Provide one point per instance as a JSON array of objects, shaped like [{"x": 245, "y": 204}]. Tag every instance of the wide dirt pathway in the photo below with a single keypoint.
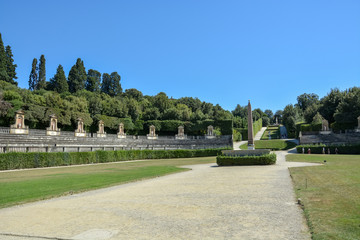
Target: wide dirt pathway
[{"x": 250, "y": 202}]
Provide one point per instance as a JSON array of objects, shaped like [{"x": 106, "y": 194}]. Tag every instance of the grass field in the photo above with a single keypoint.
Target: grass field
[
  {"x": 21, "y": 186},
  {"x": 274, "y": 133},
  {"x": 330, "y": 194},
  {"x": 271, "y": 144}
]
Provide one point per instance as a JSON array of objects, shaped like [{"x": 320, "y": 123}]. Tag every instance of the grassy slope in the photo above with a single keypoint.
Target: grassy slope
[
  {"x": 275, "y": 133},
  {"x": 332, "y": 196},
  {"x": 30, "y": 185},
  {"x": 271, "y": 144}
]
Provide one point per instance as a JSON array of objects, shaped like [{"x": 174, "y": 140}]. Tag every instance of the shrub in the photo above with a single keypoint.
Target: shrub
[
  {"x": 17, "y": 160},
  {"x": 266, "y": 159}
]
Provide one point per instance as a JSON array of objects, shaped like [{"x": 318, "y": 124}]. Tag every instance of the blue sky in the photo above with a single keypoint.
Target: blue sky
[{"x": 223, "y": 52}]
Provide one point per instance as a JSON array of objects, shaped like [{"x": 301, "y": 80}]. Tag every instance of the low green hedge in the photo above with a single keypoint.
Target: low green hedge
[
  {"x": 318, "y": 148},
  {"x": 265, "y": 159},
  {"x": 17, "y": 160}
]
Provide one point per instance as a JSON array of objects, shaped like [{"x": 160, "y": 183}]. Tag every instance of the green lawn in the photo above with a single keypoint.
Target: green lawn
[
  {"x": 330, "y": 194},
  {"x": 23, "y": 186},
  {"x": 271, "y": 144},
  {"x": 274, "y": 133}
]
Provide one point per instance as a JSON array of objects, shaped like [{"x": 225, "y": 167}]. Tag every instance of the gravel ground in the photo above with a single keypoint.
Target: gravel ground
[{"x": 209, "y": 202}]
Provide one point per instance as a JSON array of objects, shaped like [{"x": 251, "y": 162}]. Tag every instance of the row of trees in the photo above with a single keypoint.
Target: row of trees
[
  {"x": 77, "y": 80},
  {"x": 339, "y": 108}
]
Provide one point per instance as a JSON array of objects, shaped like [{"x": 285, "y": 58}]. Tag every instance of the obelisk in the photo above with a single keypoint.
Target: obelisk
[{"x": 251, "y": 145}]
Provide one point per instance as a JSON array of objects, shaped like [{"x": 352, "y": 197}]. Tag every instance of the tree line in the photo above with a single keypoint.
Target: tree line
[
  {"x": 340, "y": 108},
  {"x": 94, "y": 96}
]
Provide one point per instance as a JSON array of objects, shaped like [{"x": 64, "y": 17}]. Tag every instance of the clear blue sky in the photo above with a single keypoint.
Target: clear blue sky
[{"x": 223, "y": 52}]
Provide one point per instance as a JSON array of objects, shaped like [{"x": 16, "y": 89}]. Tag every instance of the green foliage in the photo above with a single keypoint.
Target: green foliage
[
  {"x": 59, "y": 83},
  {"x": 10, "y": 66},
  {"x": 7, "y": 68},
  {"x": 314, "y": 127},
  {"x": 349, "y": 108},
  {"x": 42, "y": 73},
  {"x": 111, "y": 84},
  {"x": 305, "y": 100},
  {"x": 266, "y": 159},
  {"x": 274, "y": 144},
  {"x": 318, "y": 148},
  {"x": 237, "y": 135},
  {"x": 16, "y": 160},
  {"x": 77, "y": 76},
  {"x": 93, "y": 81},
  {"x": 33, "y": 78}
]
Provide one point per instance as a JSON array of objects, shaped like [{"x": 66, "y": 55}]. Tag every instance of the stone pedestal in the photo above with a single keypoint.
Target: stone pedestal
[
  {"x": 121, "y": 133},
  {"x": 101, "y": 132},
  {"x": 53, "y": 129},
  {"x": 181, "y": 134},
  {"x": 80, "y": 132},
  {"x": 210, "y": 133},
  {"x": 19, "y": 126},
  {"x": 152, "y": 134}
]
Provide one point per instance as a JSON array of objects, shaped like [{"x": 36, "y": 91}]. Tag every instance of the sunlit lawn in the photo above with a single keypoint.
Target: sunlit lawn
[
  {"x": 330, "y": 194},
  {"x": 271, "y": 144},
  {"x": 21, "y": 186}
]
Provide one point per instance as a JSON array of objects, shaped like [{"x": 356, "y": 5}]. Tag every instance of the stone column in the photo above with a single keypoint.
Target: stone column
[{"x": 251, "y": 145}]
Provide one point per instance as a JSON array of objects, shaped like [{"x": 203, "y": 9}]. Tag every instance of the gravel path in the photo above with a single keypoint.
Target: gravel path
[{"x": 209, "y": 202}]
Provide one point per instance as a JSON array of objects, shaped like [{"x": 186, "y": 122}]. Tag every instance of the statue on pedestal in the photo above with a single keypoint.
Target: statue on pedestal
[
  {"x": 19, "y": 126},
  {"x": 121, "y": 133},
  {"x": 101, "y": 132},
  {"x": 53, "y": 128},
  {"x": 152, "y": 134},
  {"x": 80, "y": 132}
]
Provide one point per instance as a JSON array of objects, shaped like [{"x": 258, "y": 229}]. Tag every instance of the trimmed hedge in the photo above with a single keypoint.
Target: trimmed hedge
[
  {"x": 17, "y": 160},
  {"x": 342, "y": 149},
  {"x": 244, "y": 131},
  {"x": 265, "y": 159}
]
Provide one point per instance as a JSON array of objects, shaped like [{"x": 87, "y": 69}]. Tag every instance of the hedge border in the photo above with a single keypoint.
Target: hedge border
[
  {"x": 266, "y": 159},
  {"x": 17, "y": 160}
]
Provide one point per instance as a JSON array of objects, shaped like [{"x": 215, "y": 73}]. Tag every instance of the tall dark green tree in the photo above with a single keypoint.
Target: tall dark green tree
[
  {"x": 111, "y": 84},
  {"x": 77, "y": 76},
  {"x": 10, "y": 66},
  {"x": 59, "y": 83},
  {"x": 115, "y": 86},
  {"x": 105, "y": 85},
  {"x": 33, "y": 78},
  {"x": 3, "y": 62},
  {"x": 93, "y": 81},
  {"x": 42, "y": 73}
]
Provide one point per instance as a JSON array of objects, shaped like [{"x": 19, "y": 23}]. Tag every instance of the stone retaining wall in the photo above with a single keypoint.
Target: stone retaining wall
[
  {"x": 330, "y": 138},
  {"x": 38, "y": 141}
]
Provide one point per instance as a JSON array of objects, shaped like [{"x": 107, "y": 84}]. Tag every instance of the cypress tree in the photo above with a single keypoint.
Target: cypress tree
[
  {"x": 3, "y": 62},
  {"x": 10, "y": 66},
  {"x": 115, "y": 86},
  {"x": 77, "y": 76},
  {"x": 59, "y": 83},
  {"x": 42, "y": 74},
  {"x": 33, "y": 78},
  {"x": 93, "y": 81},
  {"x": 105, "y": 86}
]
